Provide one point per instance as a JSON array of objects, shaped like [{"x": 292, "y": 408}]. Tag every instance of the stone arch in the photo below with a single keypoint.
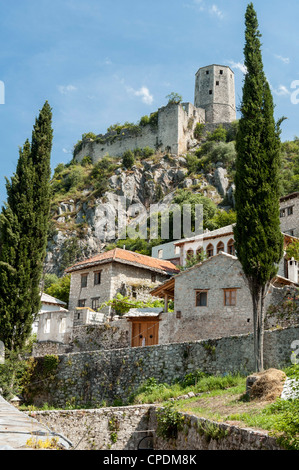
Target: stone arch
[
  {"x": 220, "y": 247},
  {"x": 210, "y": 250},
  {"x": 231, "y": 247}
]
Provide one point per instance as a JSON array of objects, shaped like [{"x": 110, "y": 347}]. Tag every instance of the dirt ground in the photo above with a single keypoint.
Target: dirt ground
[{"x": 223, "y": 406}]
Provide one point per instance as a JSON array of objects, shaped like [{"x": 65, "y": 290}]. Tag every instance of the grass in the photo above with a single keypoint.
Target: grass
[{"x": 224, "y": 399}]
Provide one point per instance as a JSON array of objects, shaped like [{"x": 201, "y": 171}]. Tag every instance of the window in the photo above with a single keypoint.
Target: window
[
  {"x": 190, "y": 254},
  {"x": 231, "y": 248},
  {"x": 210, "y": 251},
  {"x": 154, "y": 277},
  {"x": 221, "y": 72},
  {"x": 282, "y": 213},
  {"x": 160, "y": 254},
  {"x": 230, "y": 297},
  {"x": 217, "y": 83},
  {"x": 211, "y": 92},
  {"x": 290, "y": 210},
  {"x": 84, "y": 280},
  {"x": 97, "y": 278},
  {"x": 47, "y": 326},
  {"x": 201, "y": 298},
  {"x": 95, "y": 303},
  {"x": 199, "y": 253},
  {"x": 62, "y": 325},
  {"x": 207, "y": 72},
  {"x": 81, "y": 303},
  {"x": 220, "y": 247},
  {"x": 179, "y": 314}
]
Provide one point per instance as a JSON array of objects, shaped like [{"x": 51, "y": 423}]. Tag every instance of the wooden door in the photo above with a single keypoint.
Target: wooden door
[{"x": 145, "y": 333}]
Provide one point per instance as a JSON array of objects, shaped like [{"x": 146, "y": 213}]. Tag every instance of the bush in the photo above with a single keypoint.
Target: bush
[
  {"x": 219, "y": 135},
  {"x": 128, "y": 159},
  {"x": 170, "y": 422}
]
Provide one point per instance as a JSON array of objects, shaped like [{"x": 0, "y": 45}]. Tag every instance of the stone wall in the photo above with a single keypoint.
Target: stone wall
[
  {"x": 126, "y": 428},
  {"x": 289, "y": 214},
  {"x": 173, "y": 134},
  {"x": 93, "y": 377},
  {"x": 127, "y": 280}
]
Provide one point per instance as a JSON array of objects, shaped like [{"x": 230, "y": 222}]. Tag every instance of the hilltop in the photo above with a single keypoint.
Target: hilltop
[{"x": 203, "y": 175}]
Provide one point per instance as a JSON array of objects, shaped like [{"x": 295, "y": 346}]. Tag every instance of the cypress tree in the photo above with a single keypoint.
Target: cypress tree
[
  {"x": 259, "y": 241},
  {"x": 23, "y": 235}
]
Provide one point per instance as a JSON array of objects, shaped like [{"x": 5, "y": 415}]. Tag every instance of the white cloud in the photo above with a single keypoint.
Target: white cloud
[
  {"x": 239, "y": 66},
  {"x": 281, "y": 91},
  {"x": 214, "y": 10},
  {"x": 64, "y": 89},
  {"x": 286, "y": 60},
  {"x": 201, "y": 6},
  {"x": 143, "y": 92}
]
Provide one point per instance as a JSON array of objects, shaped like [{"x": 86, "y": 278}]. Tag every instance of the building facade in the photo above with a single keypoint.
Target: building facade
[
  {"x": 289, "y": 214},
  {"x": 211, "y": 300},
  {"x": 99, "y": 279}
]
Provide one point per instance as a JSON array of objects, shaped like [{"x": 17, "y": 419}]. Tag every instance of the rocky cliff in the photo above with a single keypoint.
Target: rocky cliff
[{"x": 84, "y": 195}]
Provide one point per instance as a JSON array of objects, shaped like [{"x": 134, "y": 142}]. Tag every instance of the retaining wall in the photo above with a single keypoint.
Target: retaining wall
[{"x": 111, "y": 376}]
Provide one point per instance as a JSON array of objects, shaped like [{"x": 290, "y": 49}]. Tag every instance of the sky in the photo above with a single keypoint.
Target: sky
[{"x": 101, "y": 62}]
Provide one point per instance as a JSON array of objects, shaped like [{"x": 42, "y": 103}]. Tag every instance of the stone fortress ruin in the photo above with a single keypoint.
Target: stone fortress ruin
[{"x": 173, "y": 126}]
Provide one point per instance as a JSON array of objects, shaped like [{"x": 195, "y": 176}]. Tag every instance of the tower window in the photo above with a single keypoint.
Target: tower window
[
  {"x": 221, "y": 72},
  {"x": 217, "y": 83},
  {"x": 207, "y": 72},
  {"x": 210, "y": 92}
]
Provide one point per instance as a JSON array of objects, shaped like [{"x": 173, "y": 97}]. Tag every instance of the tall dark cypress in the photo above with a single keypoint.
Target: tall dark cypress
[
  {"x": 259, "y": 242},
  {"x": 23, "y": 235}
]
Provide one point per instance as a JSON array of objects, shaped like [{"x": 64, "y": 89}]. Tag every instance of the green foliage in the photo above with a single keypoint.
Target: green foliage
[
  {"x": 119, "y": 128},
  {"x": 152, "y": 120},
  {"x": 12, "y": 373},
  {"x": 60, "y": 289},
  {"x": 174, "y": 98},
  {"x": 86, "y": 161},
  {"x": 198, "y": 131},
  {"x": 258, "y": 238},
  {"x": 170, "y": 422},
  {"x": 50, "y": 363},
  {"x": 212, "y": 152},
  {"x": 186, "y": 197},
  {"x": 292, "y": 250},
  {"x": 218, "y": 135},
  {"x": 128, "y": 159},
  {"x": 222, "y": 219},
  {"x": 24, "y": 223},
  {"x": 193, "y": 378},
  {"x": 121, "y": 304},
  {"x": 286, "y": 425}
]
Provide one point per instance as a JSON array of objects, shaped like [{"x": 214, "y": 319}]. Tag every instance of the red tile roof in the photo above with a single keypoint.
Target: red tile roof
[{"x": 126, "y": 257}]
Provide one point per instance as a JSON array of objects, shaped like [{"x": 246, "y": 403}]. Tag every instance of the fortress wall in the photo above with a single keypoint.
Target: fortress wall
[{"x": 176, "y": 123}]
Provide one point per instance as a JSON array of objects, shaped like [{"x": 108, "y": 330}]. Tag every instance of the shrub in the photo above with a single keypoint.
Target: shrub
[
  {"x": 170, "y": 422},
  {"x": 128, "y": 159}
]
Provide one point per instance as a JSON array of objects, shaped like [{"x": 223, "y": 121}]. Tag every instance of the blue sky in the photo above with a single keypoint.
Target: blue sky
[{"x": 99, "y": 62}]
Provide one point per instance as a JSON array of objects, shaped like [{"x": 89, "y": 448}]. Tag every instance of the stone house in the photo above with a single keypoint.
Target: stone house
[
  {"x": 212, "y": 243},
  {"x": 211, "y": 300},
  {"x": 99, "y": 279},
  {"x": 48, "y": 304},
  {"x": 289, "y": 214}
]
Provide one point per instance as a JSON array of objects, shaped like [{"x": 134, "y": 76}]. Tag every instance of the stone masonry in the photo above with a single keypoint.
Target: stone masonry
[{"x": 214, "y": 103}]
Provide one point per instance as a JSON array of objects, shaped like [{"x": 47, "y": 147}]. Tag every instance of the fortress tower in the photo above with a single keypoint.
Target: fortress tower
[{"x": 215, "y": 93}]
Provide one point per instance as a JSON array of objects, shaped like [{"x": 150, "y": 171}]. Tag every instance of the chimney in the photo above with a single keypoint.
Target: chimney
[{"x": 293, "y": 270}]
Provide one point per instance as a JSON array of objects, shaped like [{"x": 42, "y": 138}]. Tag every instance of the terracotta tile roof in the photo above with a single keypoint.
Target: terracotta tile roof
[{"x": 126, "y": 257}]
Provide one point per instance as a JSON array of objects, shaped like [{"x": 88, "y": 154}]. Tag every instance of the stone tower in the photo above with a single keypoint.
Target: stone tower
[{"x": 215, "y": 92}]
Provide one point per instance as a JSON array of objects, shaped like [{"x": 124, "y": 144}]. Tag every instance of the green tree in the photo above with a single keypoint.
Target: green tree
[
  {"x": 24, "y": 224},
  {"x": 60, "y": 289},
  {"x": 259, "y": 242},
  {"x": 174, "y": 98},
  {"x": 128, "y": 159}
]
